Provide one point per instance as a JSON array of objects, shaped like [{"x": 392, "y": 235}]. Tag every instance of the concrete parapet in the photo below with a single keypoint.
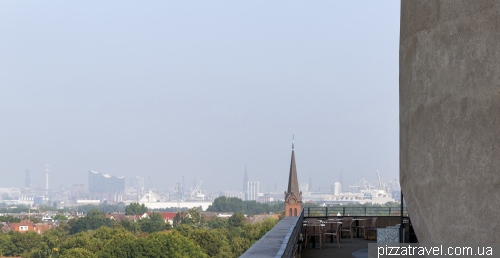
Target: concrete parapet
[{"x": 450, "y": 119}]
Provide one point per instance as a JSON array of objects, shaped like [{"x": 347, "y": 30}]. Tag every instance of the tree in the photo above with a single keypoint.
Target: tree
[
  {"x": 237, "y": 220},
  {"x": 216, "y": 222},
  {"x": 80, "y": 240},
  {"x": 158, "y": 244},
  {"x": 184, "y": 229},
  {"x": 23, "y": 243},
  {"x": 196, "y": 216},
  {"x": 136, "y": 209},
  {"x": 78, "y": 253},
  {"x": 131, "y": 226},
  {"x": 206, "y": 241},
  {"x": 33, "y": 219},
  {"x": 60, "y": 217},
  {"x": 93, "y": 220},
  {"x": 153, "y": 223},
  {"x": 10, "y": 218}
]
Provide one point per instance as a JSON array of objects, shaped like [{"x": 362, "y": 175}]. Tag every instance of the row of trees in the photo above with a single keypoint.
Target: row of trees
[
  {"x": 234, "y": 204},
  {"x": 97, "y": 236}
]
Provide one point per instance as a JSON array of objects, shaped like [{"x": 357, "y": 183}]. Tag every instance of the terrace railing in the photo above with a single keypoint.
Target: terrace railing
[
  {"x": 353, "y": 211},
  {"x": 290, "y": 243}
]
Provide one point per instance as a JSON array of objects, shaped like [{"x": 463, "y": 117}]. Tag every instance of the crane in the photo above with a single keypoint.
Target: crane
[{"x": 196, "y": 189}]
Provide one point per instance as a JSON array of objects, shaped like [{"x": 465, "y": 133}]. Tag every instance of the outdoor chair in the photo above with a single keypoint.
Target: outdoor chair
[
  {"x": 332, "y": 229},
  {"x": 373, "y": 220},
  {"x": 314, "y": 230},
  {"x": 347, "y": 226},
  {"x": 366, "y": 224}
]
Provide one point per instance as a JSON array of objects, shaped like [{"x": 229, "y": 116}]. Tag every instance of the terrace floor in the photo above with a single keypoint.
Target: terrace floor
[{"x": 345, "y": 251}]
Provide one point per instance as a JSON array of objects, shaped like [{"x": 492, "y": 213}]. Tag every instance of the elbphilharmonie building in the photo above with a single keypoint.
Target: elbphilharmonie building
[{"x": 105, "y": 187}]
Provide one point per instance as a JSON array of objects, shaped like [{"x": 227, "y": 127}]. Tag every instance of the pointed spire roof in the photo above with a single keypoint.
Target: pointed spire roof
[{"x": 293, "y": 183}]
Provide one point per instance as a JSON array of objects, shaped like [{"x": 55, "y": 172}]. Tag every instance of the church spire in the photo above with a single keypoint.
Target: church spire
[
  {"x": 293, "y": 184},
  {"x": 293, "y": 197}
]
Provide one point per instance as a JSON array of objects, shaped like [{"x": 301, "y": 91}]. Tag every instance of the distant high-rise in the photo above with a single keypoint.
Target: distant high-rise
[
  {"x": 276, "y": 185},
  {"x": 47, "y": 166},
  {"x": 293, "y": 197},
  {"x": 337, "y": 188},
  {"x": 310, "y": 184},
  {"x": 27, "y": 180},
  {"x": 253, "y": 191},
  {"x": 245, "y": 183}
]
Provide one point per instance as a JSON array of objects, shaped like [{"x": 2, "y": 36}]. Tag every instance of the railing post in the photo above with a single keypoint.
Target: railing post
[
  {"x": 389, "y": 211},
  {"x": 343, "y": 211},
  {"x": 326, "y": 212},
  {"x": 308, "y": 211},
  {"x": 365, "y": 211}
]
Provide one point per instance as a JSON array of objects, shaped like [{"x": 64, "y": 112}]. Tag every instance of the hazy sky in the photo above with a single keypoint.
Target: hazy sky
[{"x": 199, "y": 88}]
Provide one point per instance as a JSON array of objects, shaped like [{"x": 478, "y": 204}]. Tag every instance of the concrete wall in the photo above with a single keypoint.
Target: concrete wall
[{"x": 450, "y": 119}]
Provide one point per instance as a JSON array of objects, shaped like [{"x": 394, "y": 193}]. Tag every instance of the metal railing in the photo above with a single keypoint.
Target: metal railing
[
  {"x": 290, "y": 243},
  {"x": 353, "y": 211}
]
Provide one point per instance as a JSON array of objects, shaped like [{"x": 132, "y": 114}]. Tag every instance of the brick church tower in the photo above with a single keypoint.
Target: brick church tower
[{"x": 293, "y": 198}]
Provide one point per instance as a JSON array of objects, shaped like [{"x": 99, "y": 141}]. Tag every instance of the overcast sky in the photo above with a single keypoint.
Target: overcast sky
[{"x": 199, "y": 88}]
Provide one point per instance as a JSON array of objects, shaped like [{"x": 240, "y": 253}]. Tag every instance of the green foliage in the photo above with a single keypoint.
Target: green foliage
[
  {"x": 21, "y": 244},
  {"x": 184, "y": 229},
  {"x": 237, "y": 220},
  {"x": 192, "y": 237},
  {"x": 196, "y": 216},
  {"x": 131, "y": 226},
  {"x": 136, "y": 209},
  {"x": 60, "y": 217},
  {"x": 209, "y": 243},
  {"x": 93, "y": 220},
  {"x": 155, "y": 245},
  {"x": 33, "y": 219},
  {"x": 216, "y": 222},
  {"x": 153, "y": 223},
  {"x": 10, "y": 218},
  {"x": 78, "y": 253},
  {"x": 233, "y": 204}
]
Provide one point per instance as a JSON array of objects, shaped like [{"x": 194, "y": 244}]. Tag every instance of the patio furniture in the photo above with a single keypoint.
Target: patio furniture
[
  {"x": 347, "y": 226},
  {"x": 332, "y": 229},
  {"x": 314, "y": 230},
  {"x": 366, "y": 224}
]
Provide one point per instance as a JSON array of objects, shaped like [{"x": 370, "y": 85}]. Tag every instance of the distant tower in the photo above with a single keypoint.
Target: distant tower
[
  {"x": 337, "y": 188},
  {"x": 245, "y": 183},
  {"x": 27, "y": 180},
  {"x": 47, "y": 175},
  {"x": 293, "y": 198},
  {"x": 310, "y": 183},
  {"x": 276, "y": 185}
]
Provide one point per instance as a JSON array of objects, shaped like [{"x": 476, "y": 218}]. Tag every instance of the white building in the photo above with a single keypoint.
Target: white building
[
  {"x": 253, "y": 191},
  {"x": 337, "y": 188},
  {"x": 230, "y": 194}
]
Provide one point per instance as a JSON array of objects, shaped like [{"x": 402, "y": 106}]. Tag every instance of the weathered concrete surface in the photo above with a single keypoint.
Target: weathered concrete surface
[
  {"x": 450, "y": 119},
  {"x": 270, "y": 243}
]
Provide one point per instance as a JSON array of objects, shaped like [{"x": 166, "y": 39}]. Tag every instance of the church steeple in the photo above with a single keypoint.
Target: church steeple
[{"x": 293, "y": 197}]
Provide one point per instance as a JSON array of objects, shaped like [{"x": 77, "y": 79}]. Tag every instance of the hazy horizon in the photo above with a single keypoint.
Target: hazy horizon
[{"x": 166, "y": 89}]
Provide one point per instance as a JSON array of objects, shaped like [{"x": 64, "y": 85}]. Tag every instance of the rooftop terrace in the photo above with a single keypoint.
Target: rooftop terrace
[{"x": 286, "y": 238}]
